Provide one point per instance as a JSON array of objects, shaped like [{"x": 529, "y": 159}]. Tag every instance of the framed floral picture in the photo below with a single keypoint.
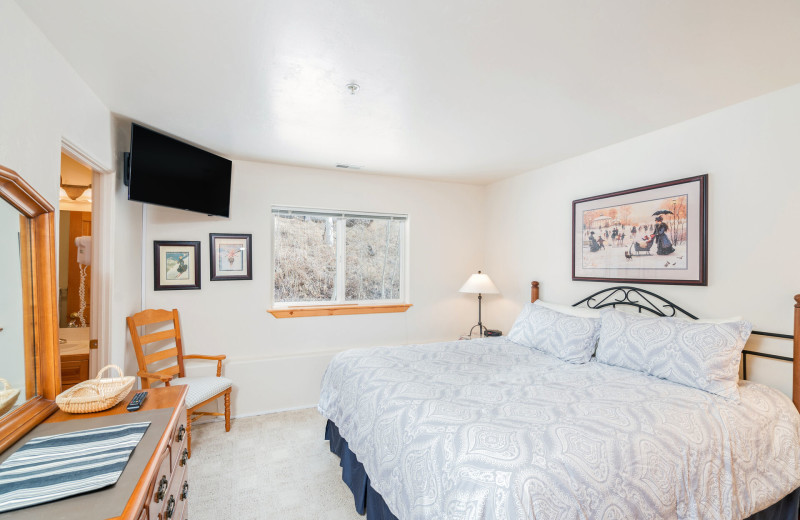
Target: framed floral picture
[
  {"x": 176, "y": 265},
  {"x": 653, "y": 234},
  {"x": 231, "y": 257}
]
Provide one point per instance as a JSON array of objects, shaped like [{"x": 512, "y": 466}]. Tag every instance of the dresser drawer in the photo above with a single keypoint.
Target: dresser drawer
[
  {"x": 161, "y": 485},
  {"x": 180, "y": 456},
  {"x": 180, "y": 452},
  {"x": 173, "y": 505},
  {"x": 184, "y": 510},
  {"x": 183, "y": 495}
]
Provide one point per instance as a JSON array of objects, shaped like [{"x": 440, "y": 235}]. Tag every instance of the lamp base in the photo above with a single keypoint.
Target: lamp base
[{"x": 481, "y": 329}]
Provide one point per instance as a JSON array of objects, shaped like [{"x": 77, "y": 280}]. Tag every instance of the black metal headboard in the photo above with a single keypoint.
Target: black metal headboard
[
  {"x": 644, "y": 300},
  {"x": 634, "y": 297}
]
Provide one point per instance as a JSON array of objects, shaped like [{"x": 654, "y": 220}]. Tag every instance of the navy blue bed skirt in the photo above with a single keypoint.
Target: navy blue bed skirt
[
  {"x": 371, "y": 502},
  {"x": 367, "y": 499}
]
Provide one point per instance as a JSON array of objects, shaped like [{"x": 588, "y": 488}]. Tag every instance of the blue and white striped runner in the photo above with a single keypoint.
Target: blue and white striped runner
[{"x": 49, "y": 468}]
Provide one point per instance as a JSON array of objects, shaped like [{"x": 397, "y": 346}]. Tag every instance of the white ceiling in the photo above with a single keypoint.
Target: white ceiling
[{"x": 467, "y": 90}]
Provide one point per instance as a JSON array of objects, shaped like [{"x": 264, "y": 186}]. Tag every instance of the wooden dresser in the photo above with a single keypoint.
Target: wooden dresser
[{"x": 154, "y": 484}]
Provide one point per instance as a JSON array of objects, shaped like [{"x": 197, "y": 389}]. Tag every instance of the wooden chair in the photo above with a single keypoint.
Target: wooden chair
[{"x": 202, "y": 390}]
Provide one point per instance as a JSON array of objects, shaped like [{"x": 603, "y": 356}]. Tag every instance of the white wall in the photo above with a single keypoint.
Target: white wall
[
  {"x": 42, "y": 100},
  {"x": 751, "y": 152},
  {"x": 126, "y": 271},
  {"x": 278, "y": 363}
]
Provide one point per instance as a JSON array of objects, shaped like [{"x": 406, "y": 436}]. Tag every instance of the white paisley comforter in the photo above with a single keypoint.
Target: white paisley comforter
[{"x": 488, "y": 429}]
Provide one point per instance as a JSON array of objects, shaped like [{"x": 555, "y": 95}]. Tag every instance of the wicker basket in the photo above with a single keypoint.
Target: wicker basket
[
  {"x": 8, "y": 396},
  {"x": 95, "y": 395}
]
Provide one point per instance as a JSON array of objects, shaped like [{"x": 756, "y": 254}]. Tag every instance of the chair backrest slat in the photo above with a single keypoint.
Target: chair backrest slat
[
  {"x": 157, "y": 336},
  {"x": 161, "y": 355},
  {"x": 150, "y": 317}
]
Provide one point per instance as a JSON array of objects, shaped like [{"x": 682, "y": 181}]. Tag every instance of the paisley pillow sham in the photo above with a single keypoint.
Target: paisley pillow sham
[
  {"x": 570, "y": 338},
  {"x": 700, "y": 355}
]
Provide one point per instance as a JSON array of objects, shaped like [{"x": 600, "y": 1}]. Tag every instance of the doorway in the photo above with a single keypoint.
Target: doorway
[{"x": 75, "y": 272}]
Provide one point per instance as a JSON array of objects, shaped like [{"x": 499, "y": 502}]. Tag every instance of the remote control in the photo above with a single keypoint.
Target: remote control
[{"x": 137, "y": 401}]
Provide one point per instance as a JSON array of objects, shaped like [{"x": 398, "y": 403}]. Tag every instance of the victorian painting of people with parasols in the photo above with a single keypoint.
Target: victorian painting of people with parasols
[
  {"x": 664, "y": 244},
  {"x": 654, "y": 234}
]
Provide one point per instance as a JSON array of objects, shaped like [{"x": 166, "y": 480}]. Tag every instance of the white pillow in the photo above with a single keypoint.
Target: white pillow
[
  {"x": 570, "y": 338},
  {"x": 700, "y": 355},
  {"x": 582, "y": 312}
]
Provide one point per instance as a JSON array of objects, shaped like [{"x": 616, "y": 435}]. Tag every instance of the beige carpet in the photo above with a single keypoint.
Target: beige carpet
[{"x": 275, "y": 466}]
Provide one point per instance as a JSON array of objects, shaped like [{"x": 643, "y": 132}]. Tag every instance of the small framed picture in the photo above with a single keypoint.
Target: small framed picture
[
  {"x": 231, "y": 256},
  {"x": 177, "y": 265}
]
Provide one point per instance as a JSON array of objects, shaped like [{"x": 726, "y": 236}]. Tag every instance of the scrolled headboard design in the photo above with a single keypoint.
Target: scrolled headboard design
[
  {"x": 634, "y": 297},
  {"x": 641, "y": 299}
]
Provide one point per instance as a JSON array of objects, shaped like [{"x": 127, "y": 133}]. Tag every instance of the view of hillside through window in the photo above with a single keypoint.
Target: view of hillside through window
[
  {"x": 307, "y": 258},
  {"x": 373, "y": 259}
]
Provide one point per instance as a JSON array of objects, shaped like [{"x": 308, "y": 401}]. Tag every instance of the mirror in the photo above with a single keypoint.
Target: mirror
[
  {"x": 28, "y": 343},
  {"x": 17, "y": 362}
]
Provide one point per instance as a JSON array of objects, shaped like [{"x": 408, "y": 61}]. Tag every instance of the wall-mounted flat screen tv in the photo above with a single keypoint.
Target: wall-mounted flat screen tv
[{"x": 168, "y": 172}]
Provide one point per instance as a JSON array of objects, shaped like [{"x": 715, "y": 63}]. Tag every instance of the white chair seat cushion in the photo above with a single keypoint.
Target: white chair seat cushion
[{"x": 202, "y": 388}]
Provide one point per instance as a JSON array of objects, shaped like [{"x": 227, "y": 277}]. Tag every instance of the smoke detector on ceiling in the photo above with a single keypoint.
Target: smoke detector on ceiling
[{"x": 353, "y": 88}]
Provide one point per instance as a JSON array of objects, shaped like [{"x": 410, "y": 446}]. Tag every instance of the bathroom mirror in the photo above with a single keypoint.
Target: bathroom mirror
[{"x": 29, "y": 364}]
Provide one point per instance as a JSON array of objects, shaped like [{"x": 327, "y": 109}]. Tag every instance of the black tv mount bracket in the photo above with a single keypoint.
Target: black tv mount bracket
[{"x": 126, "y": 168}]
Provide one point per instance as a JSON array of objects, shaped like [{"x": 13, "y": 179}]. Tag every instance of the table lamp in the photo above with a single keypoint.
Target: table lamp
[{"x": 481, "y": 284}]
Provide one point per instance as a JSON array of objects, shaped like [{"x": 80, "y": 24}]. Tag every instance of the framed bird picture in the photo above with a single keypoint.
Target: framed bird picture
[{"x": 653, "y": 234}]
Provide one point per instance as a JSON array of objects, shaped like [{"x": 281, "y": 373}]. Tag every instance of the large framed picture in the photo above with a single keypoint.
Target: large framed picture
[
  {"x": 653, "y": 234},
  {"x": 231, "y": 257},
  {"x": 177, "y": 265}
]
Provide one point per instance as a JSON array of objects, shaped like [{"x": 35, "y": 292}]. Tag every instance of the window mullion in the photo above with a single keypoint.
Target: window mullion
[
  {"x": 341, "y": 263},
  {"x": 401, "y": 258}
]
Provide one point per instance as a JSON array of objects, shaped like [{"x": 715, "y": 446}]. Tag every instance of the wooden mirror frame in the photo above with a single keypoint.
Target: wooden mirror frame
[{"x": 40, "y": 308}]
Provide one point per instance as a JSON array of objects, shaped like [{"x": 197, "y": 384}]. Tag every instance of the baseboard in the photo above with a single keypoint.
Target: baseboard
[{"x": 209, "y": 420}]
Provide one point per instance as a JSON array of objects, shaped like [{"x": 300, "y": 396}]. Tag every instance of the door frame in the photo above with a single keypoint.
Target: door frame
[{"x": 102, "y": 253}]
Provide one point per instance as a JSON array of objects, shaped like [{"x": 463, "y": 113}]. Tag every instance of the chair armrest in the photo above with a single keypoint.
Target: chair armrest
[
  {"x": 161, "y": 377},
  {"x": 200, "y": 356},
  {"x": 218, "y": 359}
]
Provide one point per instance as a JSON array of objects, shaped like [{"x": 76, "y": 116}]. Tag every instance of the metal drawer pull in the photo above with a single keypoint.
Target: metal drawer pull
[
  {"x": 184, "y": 456},
  {"x": 181, "y": 433},
  {"x": 185, "y": 491},
  {"x": 170, "y": 506},
  {"x": 162, "y": 488}
]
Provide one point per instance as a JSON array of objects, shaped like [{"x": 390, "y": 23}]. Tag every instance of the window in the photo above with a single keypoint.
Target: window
[{"x": 338, "y": 258}]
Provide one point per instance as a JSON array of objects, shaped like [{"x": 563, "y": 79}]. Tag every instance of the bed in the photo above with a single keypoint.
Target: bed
[{"x": 492, "y": 429}]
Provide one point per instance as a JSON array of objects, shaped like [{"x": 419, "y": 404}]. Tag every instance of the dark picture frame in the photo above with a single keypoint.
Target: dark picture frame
[
  {"x": 231, "y": 256},
  {"x": 655, "y": 234},
  {"x": 176, "y": 265}
]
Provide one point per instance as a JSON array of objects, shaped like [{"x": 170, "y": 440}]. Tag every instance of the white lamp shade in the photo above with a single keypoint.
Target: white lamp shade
[{"x": 479, "y": 283}]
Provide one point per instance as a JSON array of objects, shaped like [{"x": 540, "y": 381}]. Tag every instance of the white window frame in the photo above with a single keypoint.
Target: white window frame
[{"x": 341, "y": 256}]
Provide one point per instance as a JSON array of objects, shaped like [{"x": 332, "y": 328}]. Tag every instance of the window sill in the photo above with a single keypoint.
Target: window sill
[{"x": 337, "y": 310}]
